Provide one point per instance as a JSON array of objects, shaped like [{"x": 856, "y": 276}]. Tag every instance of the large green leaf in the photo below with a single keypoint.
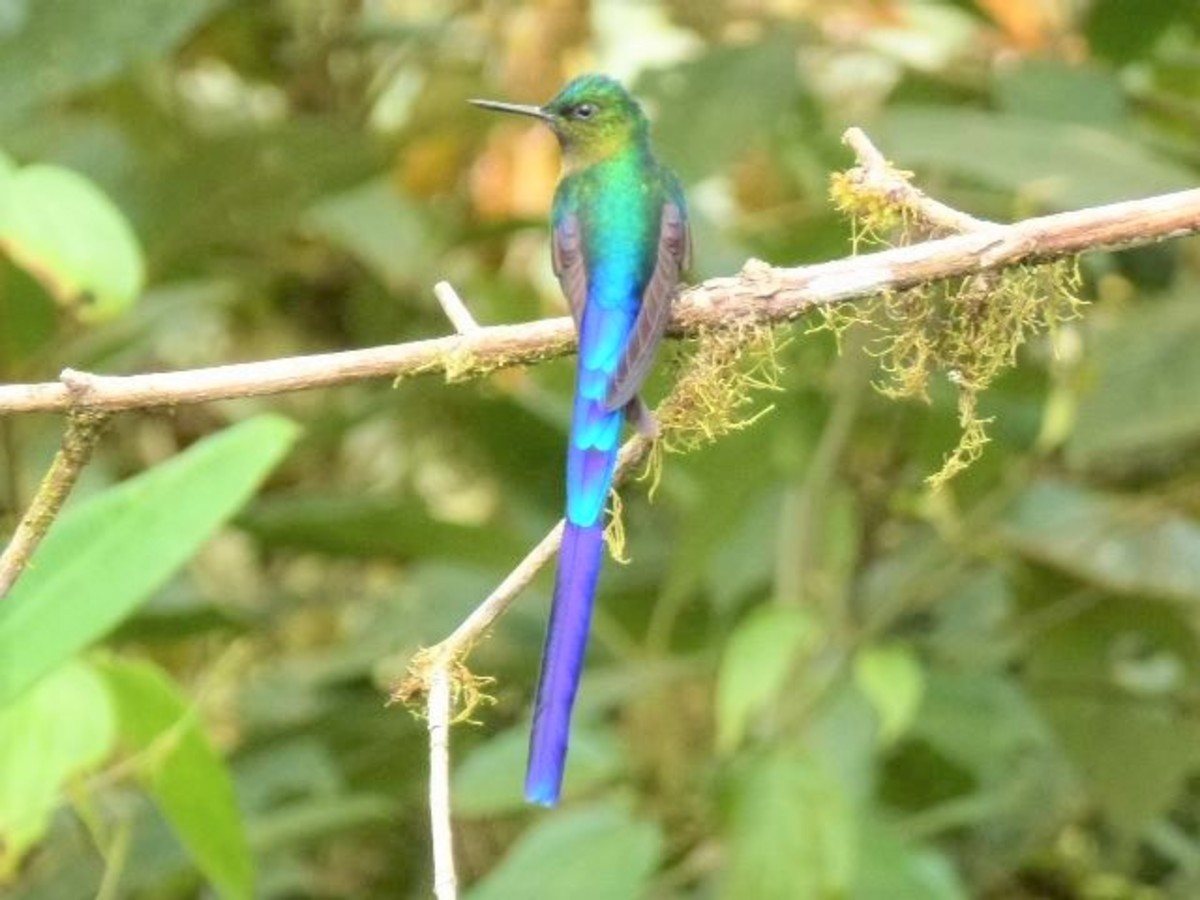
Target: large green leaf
[
  {"x": 371, "y": 221},
  {"x": 66, "y": 233},
  {"x": 182, "y": 771},
  {"x": 760, "y": 653},
  {"x": 715, "y": 541},
  {"x": 1111, "y": 682},
  {"x": 983, "y": 761},
  {"x": 59, "y": 729},
  {"x": 983, "y": 722},
  {"x": 1140, "y": 405},
  {"x": 241, "y": 189},
  {"x": 893, "y": 868},
  {"x": 54, "y": 47},
  {"x": 730, "y": 83},
  {"x": 107, "y": 555},
  {"x": 792, "y": 832},
  {"x": 595, "y": 853},
  {"x": 1120, "y": 543},
  {"x": 343, "y": 525},
  {"x": 891, "y": 677},
  {"x": 1060, "y": 165},
  {"x": 1126, "y": 31},
  {"x": 1054, "y": 90}
]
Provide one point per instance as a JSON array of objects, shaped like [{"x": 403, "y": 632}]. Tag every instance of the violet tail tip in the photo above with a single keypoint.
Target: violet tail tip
[
  {"x": 562, "y": 660},
  {"x": 541, "y": 792}
]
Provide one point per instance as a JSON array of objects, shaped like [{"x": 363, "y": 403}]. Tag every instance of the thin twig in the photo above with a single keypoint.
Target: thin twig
[
  {"x": 434, "y": 669},
  {"x": 459, "y": 642},
  {"x": 84, "y": 428},
  {"x": 761, "y": 293},
  {"x": 456, "y": 311},
  {"x": 439, "y": 701},
  {"x": 875, "y": 173},
  {"x": 445, "y": 881}
]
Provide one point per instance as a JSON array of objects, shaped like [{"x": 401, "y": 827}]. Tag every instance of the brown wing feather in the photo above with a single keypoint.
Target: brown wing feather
[
  {"x": 566, "y": 253},
  {"x": 674, "y": 254}
]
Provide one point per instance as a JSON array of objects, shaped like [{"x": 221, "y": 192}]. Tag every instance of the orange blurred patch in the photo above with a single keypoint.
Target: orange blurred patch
[
  {"x": 1030, "y": 25},
  {"x": 515, "y": 175}
]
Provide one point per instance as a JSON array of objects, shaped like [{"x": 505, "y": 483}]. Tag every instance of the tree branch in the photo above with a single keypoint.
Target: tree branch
[
  {"x": 84, "y": 428},
  {"x": 438, "y": 703},
  {"x": 876, "y": 175},
  {"x": 759, "y": 294}
]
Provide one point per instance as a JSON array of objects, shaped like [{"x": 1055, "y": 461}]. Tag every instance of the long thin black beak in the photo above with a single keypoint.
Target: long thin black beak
[{"x": 536, "y": 111}]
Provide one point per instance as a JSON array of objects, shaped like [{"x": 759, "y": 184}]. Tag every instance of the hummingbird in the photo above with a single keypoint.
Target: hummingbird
[{"x": 620, "y": 242}]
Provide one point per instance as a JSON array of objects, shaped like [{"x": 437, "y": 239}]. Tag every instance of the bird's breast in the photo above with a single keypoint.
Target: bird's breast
[{"x": 620, "y": 243}]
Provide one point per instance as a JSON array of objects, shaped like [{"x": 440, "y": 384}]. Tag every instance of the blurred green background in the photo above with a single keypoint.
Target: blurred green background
[{"x": 815, "y": 679}]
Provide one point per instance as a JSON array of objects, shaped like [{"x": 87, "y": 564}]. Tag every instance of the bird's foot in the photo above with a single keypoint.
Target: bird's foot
[{"x": 638, "y": 414}]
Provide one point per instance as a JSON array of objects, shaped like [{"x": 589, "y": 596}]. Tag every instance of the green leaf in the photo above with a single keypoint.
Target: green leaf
[
  {"x": 891, "y": 677},
  {"x": 981, "y": 757},
  {"x": 276, "y": 173},
  {"x": 1060, "y": 164},
  {"x": 983, "y": 722},
  {"x": 61, "y": 728},
  {"x": 893, "y": 867},
  {"x": 182, "y": 772},
  {"x": 66, "y": 233},
  {"x": 61, "y": 46},
  {"x": 595, "y": 853},
  {"x": 353, "y": 526},
  {"x": 760, "y": 654},
  {"x": 733, "y": 503},
  {"x": 1139, "y": 405},
  {"x": 739, "y": 559},
  {"x": 841, "y": 730},
  {"x": 1056, "y": 91},
  {"x": 371, "y": 221},
  {"x": 1111, "y": 682},
  {"x": 488, "y": 781},
  {"x": 1120, "y": 543},
  {"x": 730, "y": 80},
  {"x": 322, "y": 818},
  {"x": 1127, "y": 31},
  {"x": 108, "y": 554},
  {"x": 792, "y": 831}
]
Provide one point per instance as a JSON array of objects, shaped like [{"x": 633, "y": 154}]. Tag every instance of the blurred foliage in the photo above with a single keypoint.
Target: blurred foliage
[{"x": 816, "y": 678}]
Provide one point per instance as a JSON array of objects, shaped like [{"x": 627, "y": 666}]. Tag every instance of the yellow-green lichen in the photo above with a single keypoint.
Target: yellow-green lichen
[
  {"x": 876, "y": 213},
  {"x": 468, "y": 690},
  {"x": 717, "y": 391},
  {"x": 968, "y": 329},
  {"x": 462, "y": 364},
  {"x": 614, "y": 531}
]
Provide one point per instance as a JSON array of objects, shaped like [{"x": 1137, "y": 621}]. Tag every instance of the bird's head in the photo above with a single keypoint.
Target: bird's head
[{"x": 593, "y": 117}]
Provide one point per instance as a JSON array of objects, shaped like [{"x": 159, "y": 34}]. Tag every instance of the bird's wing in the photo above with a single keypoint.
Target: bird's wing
[
  {"x": 674, "y": 255},
  {"x": 566, "y": 253}
]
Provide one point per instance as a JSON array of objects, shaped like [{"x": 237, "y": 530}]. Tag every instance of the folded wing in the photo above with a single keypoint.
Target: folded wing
[{"x": 674, "y": 253}]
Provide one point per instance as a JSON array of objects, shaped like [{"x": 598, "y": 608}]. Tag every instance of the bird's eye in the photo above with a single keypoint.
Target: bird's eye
[{"x": 584, "y": 111}]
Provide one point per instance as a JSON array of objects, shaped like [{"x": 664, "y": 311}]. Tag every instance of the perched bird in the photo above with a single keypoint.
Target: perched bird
[{"x": 620, "y": 242}]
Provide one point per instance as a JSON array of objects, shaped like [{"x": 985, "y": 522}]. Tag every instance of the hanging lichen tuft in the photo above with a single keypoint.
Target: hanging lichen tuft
[{"x": 967, "y": 330}]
